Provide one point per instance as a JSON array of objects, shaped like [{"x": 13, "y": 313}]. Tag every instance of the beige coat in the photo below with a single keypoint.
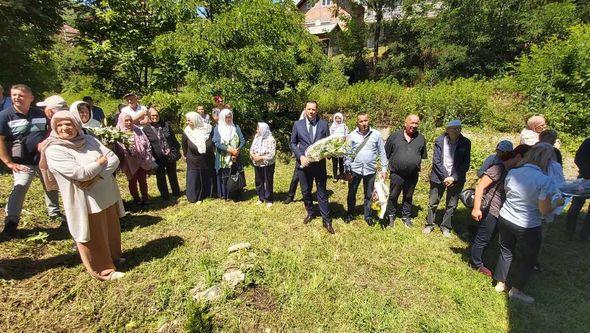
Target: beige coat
[{"x": 69, "y": 167}]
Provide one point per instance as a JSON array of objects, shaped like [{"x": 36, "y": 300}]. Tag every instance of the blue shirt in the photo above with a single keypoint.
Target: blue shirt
[
  {"x": 97, "y": 114},
  {"x": 365, "y": 162},
  {"x": 525, "y": 186},
  {"x": 6, "y": 103}
]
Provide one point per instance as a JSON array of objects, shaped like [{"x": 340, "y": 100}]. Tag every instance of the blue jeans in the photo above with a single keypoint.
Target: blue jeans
[
  {"x": 368, "y": 186},
  {"x": 22, "y": 182},
  {"x": 485, "y": 232}
]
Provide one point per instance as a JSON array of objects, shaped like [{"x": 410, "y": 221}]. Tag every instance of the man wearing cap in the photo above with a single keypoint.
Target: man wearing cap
[
  {"x": 95, "y": 112},
  {"x": 450, "y": 162},
  {"x": 137, "y": 111},
  {"x": 5, "y": 101},
  {"x": 22, "y": 128},
  {"x": 51, "y": 105},
  {"x": 502, "y": 148}
]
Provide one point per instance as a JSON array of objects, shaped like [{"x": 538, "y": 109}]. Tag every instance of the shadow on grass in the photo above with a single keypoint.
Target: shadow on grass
[
  {"x": 24, "y": 268},
  {"x": 155, "y": 204},
  {"x": 155, "y": 249},
  {"x": 131, "y": 222},
  {"x": 54, "y": 234}
]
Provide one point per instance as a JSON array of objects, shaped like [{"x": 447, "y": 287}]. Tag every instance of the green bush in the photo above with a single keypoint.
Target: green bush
[
  {"x": 491, "y": 104},
  {"x": 556, "y": 76}
]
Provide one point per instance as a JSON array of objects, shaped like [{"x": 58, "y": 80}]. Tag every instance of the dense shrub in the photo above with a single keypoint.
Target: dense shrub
[
  {"x": 556, "y": 75},
  {"x": 493, "y": 104}
]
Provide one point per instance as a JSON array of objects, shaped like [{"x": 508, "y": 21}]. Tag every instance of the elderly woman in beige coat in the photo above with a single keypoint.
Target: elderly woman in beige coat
[{"x": 83, "y": 169}]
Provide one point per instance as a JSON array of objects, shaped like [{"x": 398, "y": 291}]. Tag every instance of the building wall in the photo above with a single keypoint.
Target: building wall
[{"x": 318, "y": 11}]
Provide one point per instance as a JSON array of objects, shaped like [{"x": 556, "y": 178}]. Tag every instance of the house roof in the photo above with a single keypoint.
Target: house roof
[
  {"x": 298, "y": 2},
  {"x": 322, "y": 29}
]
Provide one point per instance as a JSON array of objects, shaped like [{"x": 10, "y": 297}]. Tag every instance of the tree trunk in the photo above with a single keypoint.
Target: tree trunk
[{"x": 376, "y": 37}]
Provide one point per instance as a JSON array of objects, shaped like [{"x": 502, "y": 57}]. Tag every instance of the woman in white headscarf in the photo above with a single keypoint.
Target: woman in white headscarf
[
  {"x": 262, "y": 153},
  {"x": 82, "y": 169},
  {"x": 229, "y": 140},
  {"x": 82, "y": 110},
  {"x": 338, "y": 127},
  {"x": 198, "y": 150}
]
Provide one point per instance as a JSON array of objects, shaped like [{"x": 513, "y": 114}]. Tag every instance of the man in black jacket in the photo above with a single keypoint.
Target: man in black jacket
[
  {"x": 582, "y": 160},
  {"x": 450, "y": 162}
]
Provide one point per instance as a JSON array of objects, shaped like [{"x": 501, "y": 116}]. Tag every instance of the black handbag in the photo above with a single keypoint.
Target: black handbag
[
  {"x": 237, "y": 179},
  {"x": 467, "y": 197}
]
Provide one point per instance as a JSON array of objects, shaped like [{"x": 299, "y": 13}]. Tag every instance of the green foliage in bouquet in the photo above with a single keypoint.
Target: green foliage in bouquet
[
  {"x": 109, "y": 135},
  {"x": 332, "y": 146}
]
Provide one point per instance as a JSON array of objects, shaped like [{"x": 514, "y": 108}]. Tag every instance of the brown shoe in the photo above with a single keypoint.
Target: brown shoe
[
  {"x": 307, "y": 219},
  {"x": 328, "y": 226}
]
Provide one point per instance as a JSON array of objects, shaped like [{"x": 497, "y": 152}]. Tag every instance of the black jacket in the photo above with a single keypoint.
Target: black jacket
[
  {"x": 461, "y": 160},
  {"x": 157, "y": 150},
  {"x": 582, "y": 159}
]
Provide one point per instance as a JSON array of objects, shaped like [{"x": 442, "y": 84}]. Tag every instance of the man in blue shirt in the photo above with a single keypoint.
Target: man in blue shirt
[
  {"x": 22, "y": 128},
  {"x": 367, "y": 149}
]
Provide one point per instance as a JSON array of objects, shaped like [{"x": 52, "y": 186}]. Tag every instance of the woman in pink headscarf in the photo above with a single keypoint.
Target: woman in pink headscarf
[
  {"x": 137, "y": 160},
  {"x": 534, "y": 126}
]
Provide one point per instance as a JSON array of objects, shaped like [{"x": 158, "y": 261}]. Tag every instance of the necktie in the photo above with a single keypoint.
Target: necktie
[{"x": 310, "y": 130}]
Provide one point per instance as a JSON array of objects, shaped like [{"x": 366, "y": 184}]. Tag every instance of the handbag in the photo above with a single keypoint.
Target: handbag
[
  {"x": 237, "y": 179},
  {"x": 467, "y": 197}
]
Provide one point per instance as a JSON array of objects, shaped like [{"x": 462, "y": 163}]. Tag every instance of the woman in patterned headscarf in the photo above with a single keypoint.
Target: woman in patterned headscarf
[
  {"x": 338, "y": 127},
  {"x": 262, "y": 154}
]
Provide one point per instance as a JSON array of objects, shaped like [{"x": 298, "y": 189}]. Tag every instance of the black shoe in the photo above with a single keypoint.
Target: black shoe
[
  {"x": 328, "y": 226},
  {"x": 407, "y": 222},
  {"x": 288, "y": 200},
  {"x": 307, "y": 219},
  {"x": 349, "y": 218},
  {"x": 370, "y": 221},
  {"x": 9, "y": 230},
  {"x": 391, "y": 220}
]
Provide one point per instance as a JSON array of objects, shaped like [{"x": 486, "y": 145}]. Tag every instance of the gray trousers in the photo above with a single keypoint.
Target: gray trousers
[
  {"x": 22, "y": 182},
  {"x": 436, "y": 193}
]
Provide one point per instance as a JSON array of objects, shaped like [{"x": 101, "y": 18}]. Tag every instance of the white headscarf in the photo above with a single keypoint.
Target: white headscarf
[
  {"x": 336, "y": 128},
  {"x": 91, "y": 122},
  {"x": 264, "y": 133},
  {"x": 199, "y": 134},
  {"x": 303, "y": 115},
  {"x": 226, "y": 132}
]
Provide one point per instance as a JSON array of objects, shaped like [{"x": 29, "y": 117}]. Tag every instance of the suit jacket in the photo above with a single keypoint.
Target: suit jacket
[
  {"x": 157, "y": 149},
  {"x": 300, "y": 138},
  {"x": 461, "y": 160}
]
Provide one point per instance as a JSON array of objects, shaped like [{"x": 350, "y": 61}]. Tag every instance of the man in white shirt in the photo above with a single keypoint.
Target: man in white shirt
[{"x": 137, "y": 111}]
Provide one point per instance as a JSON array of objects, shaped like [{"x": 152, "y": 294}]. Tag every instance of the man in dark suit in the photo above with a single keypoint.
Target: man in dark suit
[
  {"x": 450, "y": 162},
  {"x": 305, "y": 132}
]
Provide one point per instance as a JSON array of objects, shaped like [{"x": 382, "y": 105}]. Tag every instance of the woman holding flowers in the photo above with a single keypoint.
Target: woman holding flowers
[
  {"x": 338, "y": 127},
  {"x": 137, "y": 159},
  {"x": 228, "y": 140}
]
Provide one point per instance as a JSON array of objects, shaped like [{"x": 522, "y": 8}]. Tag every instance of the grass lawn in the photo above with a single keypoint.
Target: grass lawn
[{"x": 362, "y": 279}]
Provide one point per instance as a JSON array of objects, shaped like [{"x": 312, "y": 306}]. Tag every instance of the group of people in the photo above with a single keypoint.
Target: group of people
[{"x": 516, "y": 194}]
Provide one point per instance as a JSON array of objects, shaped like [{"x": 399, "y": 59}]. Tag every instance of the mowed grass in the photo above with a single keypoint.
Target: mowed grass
[{"x": 362, "y": 279}]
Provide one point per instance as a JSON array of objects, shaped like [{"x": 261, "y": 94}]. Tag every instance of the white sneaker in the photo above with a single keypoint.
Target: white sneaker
[
  {"x": 116, "y": 275},
  {"x": 258, "y": 202},
  {"x": 500, "y": 287},
  {"x": 519, "y": 295},
  {"x": 268, "y": 204},
  {"x": 199, "y": 202}
]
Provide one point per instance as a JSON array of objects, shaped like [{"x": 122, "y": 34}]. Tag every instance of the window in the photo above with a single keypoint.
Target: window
[{"x": 326, "y": 2}]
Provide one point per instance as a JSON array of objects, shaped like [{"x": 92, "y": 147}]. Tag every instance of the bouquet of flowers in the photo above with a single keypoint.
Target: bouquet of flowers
[
  {"x": 109, "y": 135},
  {"x": 576, "y": 188},
  {"x": 333, "y": 146},
  {"x": 380, "y": 196}
]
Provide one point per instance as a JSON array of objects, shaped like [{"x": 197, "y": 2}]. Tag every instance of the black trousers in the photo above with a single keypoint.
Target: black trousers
[
  {"x": 198, "y": 184},
  {"x": 168, "y": 168},
  {"x": 315, "y": 172},
  {"x": 484, "y": 234},
  {"x": 264, "y": 180},
  {"x": 294, "y": 183},
  {"x": 436, "y": 193},
  {"x": 368, "y": 186},
  {"x": 572, "y": 218},
  {"x": 337, "y": 167},
  {"x": 529, "y": 243},
  {"x": 405, "y": 185}
]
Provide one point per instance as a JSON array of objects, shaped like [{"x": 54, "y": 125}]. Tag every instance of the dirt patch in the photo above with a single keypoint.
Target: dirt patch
[{"x": 259, "y": 298}]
